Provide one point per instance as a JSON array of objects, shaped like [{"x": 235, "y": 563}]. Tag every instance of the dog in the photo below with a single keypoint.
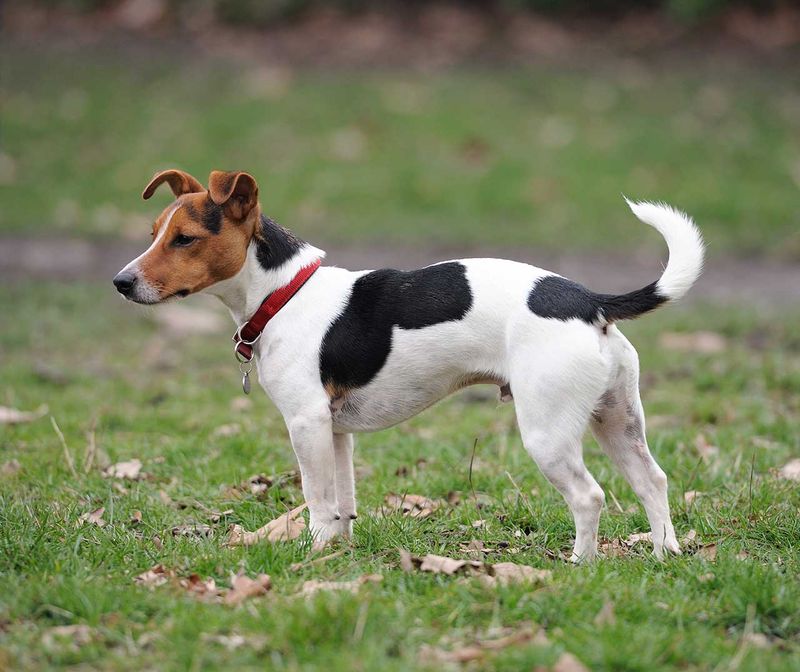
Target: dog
[{"x": 341, "y": 352}]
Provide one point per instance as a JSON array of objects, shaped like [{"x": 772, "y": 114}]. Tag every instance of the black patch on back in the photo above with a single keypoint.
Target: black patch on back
[
  {"x": 210, "y": 216},
  {"x": 358, "y": 342},
  {"x": 274, "y": 244},
  {"x": 561, "y": 299}
]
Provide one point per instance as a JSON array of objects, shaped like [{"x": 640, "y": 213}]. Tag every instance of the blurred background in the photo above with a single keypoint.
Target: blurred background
[{"x": 396, "y": 133}]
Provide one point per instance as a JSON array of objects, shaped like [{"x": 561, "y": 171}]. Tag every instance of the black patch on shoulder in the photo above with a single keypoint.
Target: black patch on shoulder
[
  {"x": 358, "y": 342},
  {"x": 274, "y": 244},
  {"x": 210, "y": 216},
  {"x": 561, "y": 299}
]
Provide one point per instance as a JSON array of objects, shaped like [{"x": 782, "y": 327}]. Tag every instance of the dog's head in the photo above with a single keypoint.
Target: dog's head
[{"x": 200, "y": 239}]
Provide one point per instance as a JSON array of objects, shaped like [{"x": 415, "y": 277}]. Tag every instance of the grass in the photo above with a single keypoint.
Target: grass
[
  {"x": 513, "y": 156},
  {"x": 159, "y": 396}
]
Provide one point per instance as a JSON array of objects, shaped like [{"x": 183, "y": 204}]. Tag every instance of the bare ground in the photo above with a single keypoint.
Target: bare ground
[{"x": 726, "y": 279}]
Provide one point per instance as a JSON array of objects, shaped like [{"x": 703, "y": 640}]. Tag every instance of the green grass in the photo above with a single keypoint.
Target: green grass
[
  {"x": 533, "y": 156},
  {"x": 160, "y": 397}
]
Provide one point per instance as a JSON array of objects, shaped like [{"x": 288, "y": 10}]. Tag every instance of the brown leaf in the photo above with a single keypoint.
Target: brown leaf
[
  {"x": 416, "y": 506},
  {"x": 194, "y": 583},
  {"x": 10, "y": 468},
  {"x": 128, "y": 470},
  {"x": 690, "y": 495},
  {"x": 606, "y": 615},
  {"x": 708, "y": 552},
  {"x": 468, "y": 652},
  {"x": 439, "y": 564},
  {"x": 705, "y": 449},
  {"x": 506, "y": 573},
  {"x": 703, "y": 342},
  {"x": 243, "y": 588},
  {"x": 791, "y": 470},
  {"x": 225, "y": 431},
  {"x": 157, "y": 575},
  {"x": 13, "y": 416},
  {"x": 136, "y": 518},
  {"x": 77, "y": 635},
  {"x": 286, "y": 527},
  {"x": 313, "y": 587},
  {"x": 637, "y": 537},
  {"x": 93, "y": 517},
  {"x": 502, "y": 573},
  {"x": 193, "y": 530},
  {"x": 569, "y": 663}
]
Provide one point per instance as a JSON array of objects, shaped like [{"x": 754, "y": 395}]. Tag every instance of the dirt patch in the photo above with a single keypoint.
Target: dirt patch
[{"x": 726, "y": 279}]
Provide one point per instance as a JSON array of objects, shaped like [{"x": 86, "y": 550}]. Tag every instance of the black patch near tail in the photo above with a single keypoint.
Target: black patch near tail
[
  {"x": 358, "y": 342},
  {"x": 561, "y": 299}
]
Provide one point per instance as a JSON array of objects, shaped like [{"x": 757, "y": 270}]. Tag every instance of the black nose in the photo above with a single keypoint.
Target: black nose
[{"x": 124, "y": 282}]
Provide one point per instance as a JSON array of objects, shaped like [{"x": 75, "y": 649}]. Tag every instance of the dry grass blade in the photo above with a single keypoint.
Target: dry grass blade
[{"x": 67, "y": 455}]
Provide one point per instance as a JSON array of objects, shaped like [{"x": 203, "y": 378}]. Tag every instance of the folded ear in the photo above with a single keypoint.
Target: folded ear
[
  {"x": 180, "y": 183},
  {"x": 237, "y": 191}
]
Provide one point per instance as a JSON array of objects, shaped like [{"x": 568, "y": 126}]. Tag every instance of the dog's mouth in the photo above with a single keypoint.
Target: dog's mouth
[{"x": 148, "y": 301}]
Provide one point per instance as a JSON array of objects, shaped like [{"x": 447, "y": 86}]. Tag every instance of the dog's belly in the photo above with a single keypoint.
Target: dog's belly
[{"x": 426, "y": 366}]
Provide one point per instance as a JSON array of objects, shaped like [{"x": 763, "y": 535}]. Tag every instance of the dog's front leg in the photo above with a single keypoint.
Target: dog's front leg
[{"x": 312, "y": 439}]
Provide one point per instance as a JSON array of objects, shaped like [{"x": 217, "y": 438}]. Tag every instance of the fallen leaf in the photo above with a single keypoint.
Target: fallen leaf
[
  {"x": 791, "y": 470},
  {"x": 136, "y": 518},
  {"x": 128, "y": 470},
  {"x": 705, "y": 449},
  {"x": 757, "y": 639},
  {"x": 236, "y": 641},
  {"x": 224, "y": 431},
  {"x": 10, "y": 468},
  {"x": 502, "y": 573},
  {"x": 194, "y": 583},
  {"x": 13, "y": 416},
  {"x": 703, "y": 342},
  {"x": 637, "y": 537},
  {"x": 94, "y": 517},
  {"x": 77, "y": 635},
  {"x": 690, "y": 539},
  {"x": 157, "y": 575},
  {"x": 243, "y": 588},
  {"x": 480, "y": 523},
  {"x": 506, "y": 573},
  {"x": 415, "y": 506},
  {"x": 286, "y": 527},
  {"x": 708, "y": 552},
  {"x": 690, "y": 495},
  {"x": 193, "y": 530},
  {"x": 569, "y": 663},
  {"x": 705, "y": 578},
  {"x": 468, "y": 652},
  {"x": 606, "y": 615},
  {"x": 313, "y": 587}
]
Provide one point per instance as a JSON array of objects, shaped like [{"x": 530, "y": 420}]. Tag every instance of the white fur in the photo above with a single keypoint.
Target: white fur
[
  {"x": 686, "y": 249},
  {"x": 561, "y": 375}
]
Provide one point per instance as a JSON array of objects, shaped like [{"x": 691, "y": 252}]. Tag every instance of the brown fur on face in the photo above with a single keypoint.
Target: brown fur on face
[{"x": 220, "y": 227}]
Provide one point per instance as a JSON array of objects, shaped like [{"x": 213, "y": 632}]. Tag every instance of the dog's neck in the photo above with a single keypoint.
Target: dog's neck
[{"x": 274, "y": 257}]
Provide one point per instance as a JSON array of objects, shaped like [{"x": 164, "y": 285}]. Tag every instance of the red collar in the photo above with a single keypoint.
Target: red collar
[{"x": 247, "y": 335}]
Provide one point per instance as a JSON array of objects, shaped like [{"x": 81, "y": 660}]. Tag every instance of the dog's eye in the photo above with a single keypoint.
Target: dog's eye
[{"x": 183, "y": 241}]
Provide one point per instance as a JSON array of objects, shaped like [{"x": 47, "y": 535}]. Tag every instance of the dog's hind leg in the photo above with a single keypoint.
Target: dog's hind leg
[
  {"x": 619, "y": 427},
  {"x": 345, "y": 481},
  {"x": 554, "y": 390}
]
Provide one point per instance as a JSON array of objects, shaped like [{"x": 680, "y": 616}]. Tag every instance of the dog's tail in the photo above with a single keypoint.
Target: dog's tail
[{"x": 686, "y": 251}]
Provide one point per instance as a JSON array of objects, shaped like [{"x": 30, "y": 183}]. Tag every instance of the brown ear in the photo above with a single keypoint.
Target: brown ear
[
  {"x": 237, "y": 191},
  {"x": 181, "y": 183}
]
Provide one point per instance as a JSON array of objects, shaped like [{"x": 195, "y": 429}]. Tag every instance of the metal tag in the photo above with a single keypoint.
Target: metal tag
[{"x": 246, "y": 382}]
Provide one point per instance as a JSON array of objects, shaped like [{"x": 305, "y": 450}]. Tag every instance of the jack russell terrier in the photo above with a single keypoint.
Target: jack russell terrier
[{"x": 340, "y": 351}]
